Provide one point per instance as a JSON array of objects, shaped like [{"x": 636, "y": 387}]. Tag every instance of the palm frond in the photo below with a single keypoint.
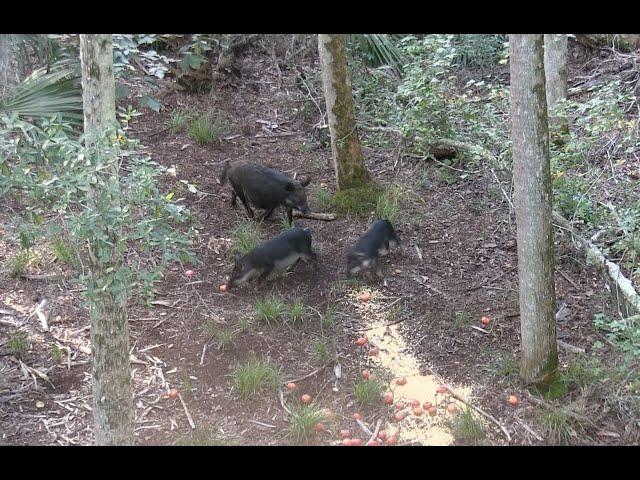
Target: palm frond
[
  {"x": 45, "y": 93},
  {"x": 381, "y": 50}
]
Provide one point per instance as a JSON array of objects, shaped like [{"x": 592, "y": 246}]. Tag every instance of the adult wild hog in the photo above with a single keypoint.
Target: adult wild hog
[
  {"x": 375, "y": 242},
  {"x": 281, "y": 252},
  {"x": 265, "y": 188}
]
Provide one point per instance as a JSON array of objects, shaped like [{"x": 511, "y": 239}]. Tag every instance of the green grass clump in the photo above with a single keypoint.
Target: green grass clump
[
  {"x": 18, "y": 344},
  {"x": 557, "y": 426},
  {"x": 245, "y": 236},
  {"x": 468, "y": 428},
  {"x": 270, "y": 309},
  {"x": 302, "y": 422},
  {"x": 254, "y": 376},
  {"x": 179, "y": 120},
  {"x": 358, "y": 201},
  {"x": 328, "y": 317},
  {"x": 461, "y": 319},
  {"x": 224, "y": 337},
  {"x": 204, "y": 130},
  {"x": 64, "y": 251},
  {"x": 389, "y": 204},
  {"x": 321, "y": 198},
  {"x": 18, "y": 263},
  {"x": 368, "y": 392},
  {"x": 320, "y": 351},
  {"x": 296, "y": 311}
]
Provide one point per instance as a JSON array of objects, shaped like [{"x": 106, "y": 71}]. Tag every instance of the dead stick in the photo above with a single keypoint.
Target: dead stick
[
  {"x": 528, "y": 429},
  {"x": 481, "y": 412},
  {"x": 364, "y": 428},
  {"x": 566, "y": 277},
  {"x": 184, "y": 405},
  {"x": 305, "y": 377},
  {"x": 327, "y": 217},
  {"x": 260, "y": 423},
  {"x": 569, "y": 413},
  {"x": 375, "y": 432}
]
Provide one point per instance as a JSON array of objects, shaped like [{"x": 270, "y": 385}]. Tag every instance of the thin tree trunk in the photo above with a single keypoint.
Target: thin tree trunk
[
  {"x": 5, "y": 61},
  {"x": 532, "y": 195},
  {"x": 348, "y": 160},
  {"x": 555, "y": 68},
  {"x": 111, "y": 374}
]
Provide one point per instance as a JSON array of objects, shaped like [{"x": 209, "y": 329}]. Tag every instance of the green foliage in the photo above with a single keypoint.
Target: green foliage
[
  {"x": 47, "y": 93},
  {"x": 624, "y": 334},
  {"x": 480, "y": 51},
  {"x": 368, "y": 392},
  {"x": 204, "y": 129},
  {"x": 18, "y": 344},
  {"x": 356, "y": 201},
  {"x": 302, "y": 422},
  {"x": 50, "y": 171},
  {"x": 270, "y": 309},
  {"x": 380, "y": 49},
  {"x": 245, "y": 236},
  {"x": 57, "y": 353},
  {"x": 582, "y": 372},
  {"x": 254, "y": 376},
  {"x": 468, "y": 428}
]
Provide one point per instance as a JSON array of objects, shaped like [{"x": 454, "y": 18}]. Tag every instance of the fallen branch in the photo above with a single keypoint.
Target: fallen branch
[
  {"x": 571, "y": 348},
  {"x": 626, "y": 296},
  {"x": 481, "y": 412},
  {"x": 305, "y": 377},
  {"x": 45, "y": 278},
  {"x": 326, "y": 217},
  {"x": 261, "y": 424}
]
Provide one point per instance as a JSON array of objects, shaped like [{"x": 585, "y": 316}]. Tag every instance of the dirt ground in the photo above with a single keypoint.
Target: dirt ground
[{"x": 457, "y": 263}]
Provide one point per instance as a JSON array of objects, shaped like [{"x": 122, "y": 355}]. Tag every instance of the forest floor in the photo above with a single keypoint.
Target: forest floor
[{"x": 457, "y": 263}]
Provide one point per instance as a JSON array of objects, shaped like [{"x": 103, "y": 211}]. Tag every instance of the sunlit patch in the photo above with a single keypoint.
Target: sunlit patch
[{"x": 396, "y": 358}]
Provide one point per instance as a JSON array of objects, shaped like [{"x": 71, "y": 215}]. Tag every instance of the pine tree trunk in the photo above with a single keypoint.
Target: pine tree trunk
[
  {"x": 555, "y": 68},
  {"x": 111, "y": 375},
  {"x": 348, "y": 160},
  {"x": 532, "y": 194}
]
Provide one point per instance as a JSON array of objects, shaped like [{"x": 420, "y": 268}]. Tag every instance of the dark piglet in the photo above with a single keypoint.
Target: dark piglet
[
  {"x": 265, "y": 188},
  {"x": 281, "y": 252},
  {"x": 375, "y": 242}
]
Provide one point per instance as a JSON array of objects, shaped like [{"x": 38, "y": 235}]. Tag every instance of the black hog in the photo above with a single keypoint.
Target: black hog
[
  {"x": 375, "y": 242},
  {"x": 281, "y": 252},
  {"x": 265, "y": 188}
]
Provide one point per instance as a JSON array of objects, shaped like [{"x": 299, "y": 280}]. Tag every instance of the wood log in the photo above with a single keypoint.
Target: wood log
[{"x": 622, "y": 289}]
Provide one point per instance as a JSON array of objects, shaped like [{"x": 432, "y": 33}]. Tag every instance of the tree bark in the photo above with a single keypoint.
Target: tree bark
[
  {"x": 532, "y": 194},
  {"x": 555, "y": 68},
  {"x": 111, "y": 373},
  {"x": 348, "y": 160}
]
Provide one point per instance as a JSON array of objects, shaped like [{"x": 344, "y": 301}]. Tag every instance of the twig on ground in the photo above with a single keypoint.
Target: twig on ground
[
  {"x": 480, "y": 411},
  {"x": 260, "y": 423},
  {"x": 184, "y": 406}
]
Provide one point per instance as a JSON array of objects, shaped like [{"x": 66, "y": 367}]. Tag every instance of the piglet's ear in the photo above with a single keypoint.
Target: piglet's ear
[{"x": 236, "y": 258}]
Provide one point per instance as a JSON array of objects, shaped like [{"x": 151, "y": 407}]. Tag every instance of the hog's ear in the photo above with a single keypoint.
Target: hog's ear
[
  {"x": 236, "y": 258},
  {"x": 305, "y": 182},
  {"x": 290, "y": 187}
]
